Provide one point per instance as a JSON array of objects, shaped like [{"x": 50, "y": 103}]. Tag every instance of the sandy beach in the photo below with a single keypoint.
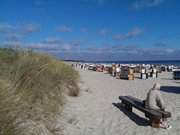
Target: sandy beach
[{"x": 96, "y": 110}]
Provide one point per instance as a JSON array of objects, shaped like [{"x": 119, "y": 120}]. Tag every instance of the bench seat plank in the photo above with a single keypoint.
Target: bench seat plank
[
  {"x": 165, "y": 114},
  {"x": 152, "y": 114}
]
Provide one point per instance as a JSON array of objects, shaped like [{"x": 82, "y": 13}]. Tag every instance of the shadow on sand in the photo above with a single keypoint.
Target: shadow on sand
[
  {"x": 134, "y": 117},
  {"x": 171, "y": 89}
]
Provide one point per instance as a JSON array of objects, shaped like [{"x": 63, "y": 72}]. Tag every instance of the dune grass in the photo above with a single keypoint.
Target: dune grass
[{"x": 31, "y": 91}]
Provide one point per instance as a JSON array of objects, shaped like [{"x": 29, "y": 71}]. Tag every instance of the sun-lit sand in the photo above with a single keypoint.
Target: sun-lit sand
[{"x": 93, "y": 112}]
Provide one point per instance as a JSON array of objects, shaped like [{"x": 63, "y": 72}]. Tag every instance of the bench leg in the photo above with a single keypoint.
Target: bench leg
[
  {"x": 155, "y": 123},
  {"x": 147, "y": 116},
  {"x": 127, "y": 107}
]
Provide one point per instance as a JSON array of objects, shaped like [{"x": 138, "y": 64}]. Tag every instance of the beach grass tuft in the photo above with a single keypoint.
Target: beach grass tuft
[{"x": 32, "y": 88}]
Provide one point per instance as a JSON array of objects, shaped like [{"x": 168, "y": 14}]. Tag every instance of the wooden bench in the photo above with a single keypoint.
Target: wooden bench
[{"x": 153, "y": 115}]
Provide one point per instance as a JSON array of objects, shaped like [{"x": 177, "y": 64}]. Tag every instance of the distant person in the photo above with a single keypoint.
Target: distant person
[
  {"x": 118, "y": 71},
  {"x": 113, "y": 70},
  {"x": 85, "y": 67},
  {"x": 81, "y": 66},
  {"x": 102, "y": 67},
  {"x": 155, "y": 101}
]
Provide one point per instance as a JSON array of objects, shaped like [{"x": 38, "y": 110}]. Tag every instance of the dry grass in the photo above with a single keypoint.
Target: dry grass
[{"x": 33, "y": 91}]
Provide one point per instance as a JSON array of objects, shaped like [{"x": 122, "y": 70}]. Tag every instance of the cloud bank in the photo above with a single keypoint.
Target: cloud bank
[{"x": 74, "y": 51}]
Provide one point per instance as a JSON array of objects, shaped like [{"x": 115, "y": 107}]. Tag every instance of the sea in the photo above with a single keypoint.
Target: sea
[{"x": 156, "y": 62}]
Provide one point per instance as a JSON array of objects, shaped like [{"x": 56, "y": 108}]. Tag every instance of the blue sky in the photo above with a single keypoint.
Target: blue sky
[{"x": 94, "y": 29}]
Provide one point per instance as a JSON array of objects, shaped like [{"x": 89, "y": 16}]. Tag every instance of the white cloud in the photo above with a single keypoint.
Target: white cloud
[
  {"x": 76, "y": 42},
  {"x": 11, "y": 44},
  {"x": 131, "y": 34},
  {"x": 6, "y": 28},
  {"x": 18, "y": 32},
  {"x": 55, "y": 45},
  {"x": 160, "y": 44},
  {"x": 84, "y": 29},
  {"x": 146, "y": 3},
  {"x": 64, "y": 29},
  {"x": 169, "y": 50},
  {"x": 103, "y": 32},
  {"x": 30, "y": 28},
  {"x": 67, "y": 46},
  {"x": 52, "y": 40},
  {"x": 100, "y": 2}
]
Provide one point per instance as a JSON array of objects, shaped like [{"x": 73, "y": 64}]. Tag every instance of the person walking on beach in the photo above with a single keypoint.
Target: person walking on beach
[{"x": 155, "y": 101}]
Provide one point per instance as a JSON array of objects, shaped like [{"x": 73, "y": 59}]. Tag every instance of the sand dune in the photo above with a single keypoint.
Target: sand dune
[{"x": 97, "y": 112}]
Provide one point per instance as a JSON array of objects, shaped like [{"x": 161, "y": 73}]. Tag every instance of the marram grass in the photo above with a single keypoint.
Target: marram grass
[{"x": 31, "y": 91}]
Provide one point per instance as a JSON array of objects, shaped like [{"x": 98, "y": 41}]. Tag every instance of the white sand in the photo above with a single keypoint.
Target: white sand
[{"x": 92, "y": 113}]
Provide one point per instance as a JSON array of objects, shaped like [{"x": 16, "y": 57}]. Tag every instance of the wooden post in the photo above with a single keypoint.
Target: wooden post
[
  {"x": 127, "y": 106},
  {"x": 155, "y": 123}
]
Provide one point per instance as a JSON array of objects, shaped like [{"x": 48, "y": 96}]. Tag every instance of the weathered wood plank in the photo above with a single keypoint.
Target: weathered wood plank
[{"x": 138, "y": 104}]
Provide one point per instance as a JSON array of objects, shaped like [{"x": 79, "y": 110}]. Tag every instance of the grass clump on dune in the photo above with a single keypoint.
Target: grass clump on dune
[{"x": 32, "y": 91}]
